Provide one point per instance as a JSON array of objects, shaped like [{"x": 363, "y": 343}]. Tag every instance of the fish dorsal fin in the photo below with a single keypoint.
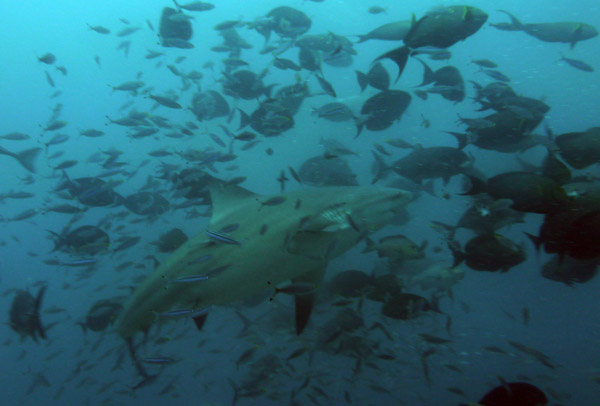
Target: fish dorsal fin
[{"x": 226, "y": 199}]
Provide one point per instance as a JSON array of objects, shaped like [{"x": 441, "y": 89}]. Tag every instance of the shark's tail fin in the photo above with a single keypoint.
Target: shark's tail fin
[
  {"x": 517, "y": 25},
  {"x": 27, "y": 158},
  {"x": 236, "y": 391},
  {"x": 136, "y": 361},
  {"x": 38, "y": 304}
]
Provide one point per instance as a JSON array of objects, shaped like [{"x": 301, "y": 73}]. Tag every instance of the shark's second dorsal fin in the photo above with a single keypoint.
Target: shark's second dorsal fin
[{"x": 225, "y": 198}]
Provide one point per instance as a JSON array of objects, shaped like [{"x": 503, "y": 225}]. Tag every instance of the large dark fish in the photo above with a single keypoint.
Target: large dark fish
[
  {"x": 383, "y": 109},
  {"x": 173, "y": 31},
  {"x": 514, "y": 394},
  {"x": 567, "y": 32},
  {"x": 441, "y": 28},
  {"x": 580, "y": 149},
  {"x": 25, "y": 314},
  {"x": 432, "y": 162},
  {"x": 529, "y": 192}
]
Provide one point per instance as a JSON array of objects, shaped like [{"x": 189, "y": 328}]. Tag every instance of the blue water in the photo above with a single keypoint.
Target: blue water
[{"x": 565, "y": 321}]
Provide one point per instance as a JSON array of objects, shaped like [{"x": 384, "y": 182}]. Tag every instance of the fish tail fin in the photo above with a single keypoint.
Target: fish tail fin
[
  {"x": 428, "y": 73},
  {"x": 38, "y": 304},
  {"x": 27, "y": 158},
  {"x": 246, "y": 324},
  {"x": 381, "y": 168},
  {"x": 362, "y": 38},
  {"x": 475, "y": 186},
  {"x": 360, "y": 124},
  {"x": 434, "y": 302},
  {"x": 244, "y": 119},
  {"x": 138, "y": 366},
  {"x": 83, "y": 326},
  {"x": 399, "y": 56},
  {"x": 370, "y": 245},
  {"x": 56, "y": 238},
  {"x": 444, "y": 228},
  {"x": 458, "y": 255},
  {"x": 518, "y": 25},
  {"x": 177, "y": 4},
  {"x": 462, "y": 139},
  {"x": 537, "y": 241},
  {"x": 428, "y": 187}
]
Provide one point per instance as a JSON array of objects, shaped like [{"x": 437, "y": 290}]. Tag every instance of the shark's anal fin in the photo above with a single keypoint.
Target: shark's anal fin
[
  {"x": 200, "y": 320},
  {"x": 305, "y": 302},
  {"x": 38, "y": 305}
]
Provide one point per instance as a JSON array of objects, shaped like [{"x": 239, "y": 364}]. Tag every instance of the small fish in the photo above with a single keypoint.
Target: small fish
[
  {"x": 296, "y": 289},
  {"x": 525, "y": 315},
  {"x": 582, "y": 66},
  {"x": 16, "y": 136},
  {"x": 484, "y": 63},
  {"x": 99, "y": 29},
  {"x": 80, "y": 262},
  {"x": 434, "y": 339},
  {"x": 230, "y": 228},
  {"x": 296, "y": 353},
  {"x": 217, "y": 140},
  {"x": 48, "y": 58},
  {"x": 326, "y": 86},
  {"x": 175, "y": 313},
  {"x": 165, "y": 101},
  {"x": 492, "y": 348},
  {"x": 246, "y": 356},
  {"x": 128, "y": 243},
  {"x": 222, "y": 238},
  {"x": 294, "y": 174},
  {"x": 273, "y": 201},
  {"x": 200, "y": 259},
  {"x": 456, "y": 391},
  {"x": 158, "y": 360},
  {"x": 189, "y": 279},
  {"x": 376, "y": 10},
  {"x": 496, "y": 75},
  {"x": 49, "y": 79}
]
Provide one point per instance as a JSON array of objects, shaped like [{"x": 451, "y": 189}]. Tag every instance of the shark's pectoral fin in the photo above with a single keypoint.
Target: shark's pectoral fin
[
  {"x": 305, "y": 302},
  {"x": 200, "y": 320}
]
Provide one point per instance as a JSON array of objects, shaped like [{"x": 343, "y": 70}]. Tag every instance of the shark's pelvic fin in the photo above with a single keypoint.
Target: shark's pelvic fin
[
  {"x": 200, "y": 320},
  {"x": 305, "y": 303}
]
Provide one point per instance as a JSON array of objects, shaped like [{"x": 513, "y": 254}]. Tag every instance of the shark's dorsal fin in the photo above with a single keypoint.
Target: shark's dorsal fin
[
  {"x": 225, "y": 198},
  {"x": 305, "y": 302}
]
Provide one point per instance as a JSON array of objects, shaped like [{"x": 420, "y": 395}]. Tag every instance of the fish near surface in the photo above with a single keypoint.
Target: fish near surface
[{"x": 298, "y": 245}]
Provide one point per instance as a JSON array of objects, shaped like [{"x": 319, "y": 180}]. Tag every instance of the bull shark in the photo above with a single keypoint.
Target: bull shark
[{"x": 254, "y": 243}]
